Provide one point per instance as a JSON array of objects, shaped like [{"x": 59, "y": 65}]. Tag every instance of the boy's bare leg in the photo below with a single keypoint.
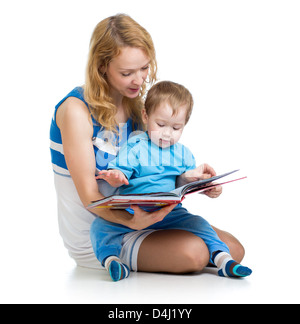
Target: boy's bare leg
[
  {"x": 237, "y": 250},
  {"x": 177, "y": 251},
  {"x": 172, "y": 251}
]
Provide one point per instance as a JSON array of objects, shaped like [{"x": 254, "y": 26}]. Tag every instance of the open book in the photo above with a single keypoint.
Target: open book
[{"x": 159, "y": 199}]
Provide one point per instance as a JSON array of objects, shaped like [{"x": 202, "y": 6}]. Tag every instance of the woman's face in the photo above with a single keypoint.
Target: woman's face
[{"x": 127, "y": 72}]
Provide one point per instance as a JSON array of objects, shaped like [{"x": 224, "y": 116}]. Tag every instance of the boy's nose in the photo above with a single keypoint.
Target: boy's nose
[{"x": 167, "y": 132}]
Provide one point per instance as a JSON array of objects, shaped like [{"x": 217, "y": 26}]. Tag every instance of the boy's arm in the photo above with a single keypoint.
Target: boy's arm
[{"x": 189, "y": 163}]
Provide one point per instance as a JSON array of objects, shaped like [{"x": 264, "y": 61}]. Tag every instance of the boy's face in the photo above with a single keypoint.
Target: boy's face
[{"x": 163, "y": 127}]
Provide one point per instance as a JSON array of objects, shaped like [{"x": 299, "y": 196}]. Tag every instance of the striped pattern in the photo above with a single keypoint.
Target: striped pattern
[
  {"x": 117, "y": 270},
  {"x": 104, "y": 150},
  {"x": 228, "y": 267}
]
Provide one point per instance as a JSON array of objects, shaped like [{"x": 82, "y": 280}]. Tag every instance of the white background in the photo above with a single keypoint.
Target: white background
[{"x": 240, "y": 59}]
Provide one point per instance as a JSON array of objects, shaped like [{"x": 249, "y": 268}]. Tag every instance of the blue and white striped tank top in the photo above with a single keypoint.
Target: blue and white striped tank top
[{"x": 104, "y": 150}]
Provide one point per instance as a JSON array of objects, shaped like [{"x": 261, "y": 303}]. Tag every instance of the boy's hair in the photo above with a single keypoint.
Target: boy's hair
[{"x": 176, "y": 95}]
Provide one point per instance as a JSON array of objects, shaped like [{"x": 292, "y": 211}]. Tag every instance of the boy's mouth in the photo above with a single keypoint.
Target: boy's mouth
[{"x": 163, "y": 142}]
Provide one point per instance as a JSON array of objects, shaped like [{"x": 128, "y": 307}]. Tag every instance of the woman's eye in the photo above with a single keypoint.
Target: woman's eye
[
  {"x": 145, "y": 68},
  {"x": 126, "y": 74}
]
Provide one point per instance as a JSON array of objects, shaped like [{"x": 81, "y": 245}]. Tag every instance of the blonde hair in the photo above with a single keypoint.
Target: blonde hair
[
  {"x": 108, "y": 38},
  {"x": 176, "y": 95}
]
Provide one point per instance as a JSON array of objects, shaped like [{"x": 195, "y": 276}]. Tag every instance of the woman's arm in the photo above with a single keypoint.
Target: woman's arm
[{"x": 76, "y": 128}]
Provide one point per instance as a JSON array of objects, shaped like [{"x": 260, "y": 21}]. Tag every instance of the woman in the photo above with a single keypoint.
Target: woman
[{"x": 88, "y": 127}]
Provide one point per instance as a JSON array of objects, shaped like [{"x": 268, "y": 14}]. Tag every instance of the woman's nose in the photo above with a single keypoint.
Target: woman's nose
[{"x": 138, "y": 79}]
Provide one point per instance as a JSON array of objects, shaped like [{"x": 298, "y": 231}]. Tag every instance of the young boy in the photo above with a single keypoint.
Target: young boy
[{"x": 151, "y": 162}]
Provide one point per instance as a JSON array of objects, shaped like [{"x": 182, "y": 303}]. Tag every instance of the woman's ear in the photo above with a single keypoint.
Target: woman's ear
[
  {"x": 144, "y": 116},
  {"x": 102, "y": 69}
]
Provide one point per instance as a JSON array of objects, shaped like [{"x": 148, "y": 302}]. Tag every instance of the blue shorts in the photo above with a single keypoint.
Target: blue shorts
[{"x": 107, "y": 237}]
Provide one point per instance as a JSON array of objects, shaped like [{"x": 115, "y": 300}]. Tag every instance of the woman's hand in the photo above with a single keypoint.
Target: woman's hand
[
  {"x": 115, "y": 178},
  {"x": 142, "y": 219}
]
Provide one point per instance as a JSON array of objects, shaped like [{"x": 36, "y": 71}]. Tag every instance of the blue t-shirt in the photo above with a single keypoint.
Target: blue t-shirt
[{"x": 150, "y": 168}]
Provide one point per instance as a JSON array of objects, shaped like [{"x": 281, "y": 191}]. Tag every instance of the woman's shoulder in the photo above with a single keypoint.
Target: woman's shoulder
[{"x": 71, "y": 110}]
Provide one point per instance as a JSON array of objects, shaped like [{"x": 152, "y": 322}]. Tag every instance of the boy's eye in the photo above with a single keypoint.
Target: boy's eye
[{"x": 160, "y": 125}]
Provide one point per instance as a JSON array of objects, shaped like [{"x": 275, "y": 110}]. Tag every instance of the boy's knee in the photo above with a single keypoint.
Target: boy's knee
[{"x": 195, "y": 254}]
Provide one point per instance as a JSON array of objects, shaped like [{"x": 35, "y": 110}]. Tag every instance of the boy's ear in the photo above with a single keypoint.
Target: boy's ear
[{"x": 144, "y": 116}]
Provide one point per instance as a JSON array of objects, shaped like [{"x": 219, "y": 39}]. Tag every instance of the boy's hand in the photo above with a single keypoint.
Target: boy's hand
[
  {"x": 215, "y": 192},
  {"x": 115, "y": 178},
  {"x": 205, "y": 172},
  {"x": 202, "y": 172}
]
